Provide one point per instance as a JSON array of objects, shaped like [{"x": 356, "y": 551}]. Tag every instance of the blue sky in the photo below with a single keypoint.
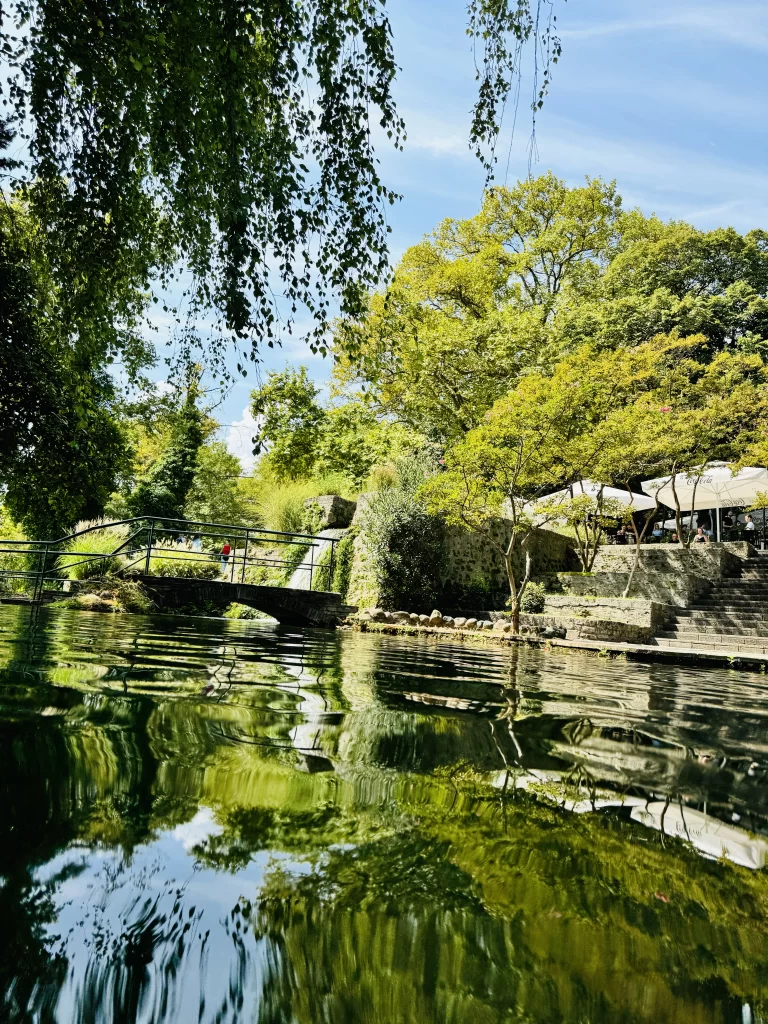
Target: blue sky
[{"x": 666, "y": 96}]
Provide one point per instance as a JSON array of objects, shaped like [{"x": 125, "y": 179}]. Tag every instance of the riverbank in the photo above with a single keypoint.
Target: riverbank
[{"x": 740, "y": 660}]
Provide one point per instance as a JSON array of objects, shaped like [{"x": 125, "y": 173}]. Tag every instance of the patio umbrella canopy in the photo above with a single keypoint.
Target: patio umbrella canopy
[
  {"x": 717, "y": 486},
  {"x": 639, "y": 502}
]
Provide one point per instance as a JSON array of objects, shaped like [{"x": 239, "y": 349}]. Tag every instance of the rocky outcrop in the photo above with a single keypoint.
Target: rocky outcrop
[{"x": 333, "y": 511}]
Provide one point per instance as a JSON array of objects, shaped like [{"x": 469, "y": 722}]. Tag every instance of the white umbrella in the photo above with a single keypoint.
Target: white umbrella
[
  {"x": 715, "y": 486},
  {"x": 640, "y": 502}
]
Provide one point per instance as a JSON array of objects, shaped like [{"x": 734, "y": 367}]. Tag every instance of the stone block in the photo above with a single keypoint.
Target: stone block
[{"x": 335, "y": 511}]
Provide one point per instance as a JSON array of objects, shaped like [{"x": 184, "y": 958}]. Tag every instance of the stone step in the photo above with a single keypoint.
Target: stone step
[
  {"x": 714, "y": 642},
  {"x": 718, "y": 615},
  {"x": 732, "y": 602},
  {"x": 694, "y": 629}
]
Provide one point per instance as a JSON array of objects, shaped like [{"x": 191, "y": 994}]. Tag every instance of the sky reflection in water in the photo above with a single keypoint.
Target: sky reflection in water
[{"x": 217, "y": 821}]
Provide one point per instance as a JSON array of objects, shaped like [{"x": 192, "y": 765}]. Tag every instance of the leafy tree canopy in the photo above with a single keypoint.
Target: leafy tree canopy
[
  {"x": 235, "y": 138},
  {"x": 303, "y": 437},
  {"x": 541, "y": 271}
]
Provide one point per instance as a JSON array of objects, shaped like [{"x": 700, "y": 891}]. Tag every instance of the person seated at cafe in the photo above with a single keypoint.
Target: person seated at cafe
[
  {"x": 749, "y": 524},
  {"x": 658, "y": 532},
  {"x": 621, "y": 535},
  {"x": 704, "y": 520},
  {"x": 727, "y": 520},
  {"x": 674, "y": 539},
  {"x": 701, "y": 537}
]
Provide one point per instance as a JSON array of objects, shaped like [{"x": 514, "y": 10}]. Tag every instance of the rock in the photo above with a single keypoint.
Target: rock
[
  {"x": 401, "y": 617},
  {"x": 553, "y": 633},
  {"x": 423, "y": 620},
  {"x": 486, "y": 624},
  {"x": 499, "y": 624},
  {"x": 378, "y": 615},
  {"x": 470, "y": 624},
  {"x": 459, "y": 622},
  {"x": 335, "y": 511},
  {"x": 435, "y": 614},
  {"x": 448, "y": 621},
  {"x": 365, "y": 616},
  {"x": 435, "y": 619},
  {"x": 414, "y": 619},
  {"x": 389, "y": 617}
]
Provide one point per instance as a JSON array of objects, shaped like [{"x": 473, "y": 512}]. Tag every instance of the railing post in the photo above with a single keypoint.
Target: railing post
[
  {"x": 245, "y": 557},
  {"x": 149, "y": 545},
  {"x": 311, "y": 564},
  {"x": 42, "y": 561},
  {"x": 234, "y": 559},
  {"x": 332, "y": 564}
]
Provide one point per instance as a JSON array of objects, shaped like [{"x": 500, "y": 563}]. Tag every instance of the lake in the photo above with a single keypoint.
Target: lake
[{"x": 211, "y": 820}]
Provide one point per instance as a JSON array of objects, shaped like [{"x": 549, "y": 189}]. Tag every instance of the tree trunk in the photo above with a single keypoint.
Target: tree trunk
[{"x": 639, "y": 538}]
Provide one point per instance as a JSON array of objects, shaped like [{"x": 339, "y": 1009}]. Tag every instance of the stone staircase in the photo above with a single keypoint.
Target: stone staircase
[{"x": 732, "y": 616}]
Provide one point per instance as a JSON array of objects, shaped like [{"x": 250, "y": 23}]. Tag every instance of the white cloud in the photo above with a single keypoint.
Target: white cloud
[
  {"x": 196, "y": 831},
  {"x": 743, "y": 25},
  {"x": 239, "y": 438}
]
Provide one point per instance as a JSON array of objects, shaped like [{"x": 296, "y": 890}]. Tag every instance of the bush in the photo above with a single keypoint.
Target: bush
[
  {"x": 533, "y": 599},
  {"x": 77, "y": 565},
  {"x": 405, "y": 542},
  {"x": 185, "y": 564},
  {"x": 342, "y": 570}
]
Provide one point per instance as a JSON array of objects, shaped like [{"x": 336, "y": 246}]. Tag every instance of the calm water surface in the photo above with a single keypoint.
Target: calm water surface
[{"x": 224, "y": 821}]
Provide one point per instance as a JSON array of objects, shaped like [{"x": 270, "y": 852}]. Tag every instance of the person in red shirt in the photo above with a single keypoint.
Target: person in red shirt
[{"x": 225, "y": 552}]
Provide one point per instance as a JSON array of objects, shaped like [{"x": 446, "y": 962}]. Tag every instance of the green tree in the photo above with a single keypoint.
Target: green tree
[
  {"x": 469, "y": 307},
  {"x": 61, "y": 448},
  {"x": 164, "y": 488},
  {"x": 530, "y": 443},
  {"x": 214, "y": 495},
  {"x": 291, "y": 423},
  {"x": 250, "y": 142}
]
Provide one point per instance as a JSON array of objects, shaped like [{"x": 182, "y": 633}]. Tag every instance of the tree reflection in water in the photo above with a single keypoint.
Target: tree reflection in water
[{"x": 215, "y": 821}]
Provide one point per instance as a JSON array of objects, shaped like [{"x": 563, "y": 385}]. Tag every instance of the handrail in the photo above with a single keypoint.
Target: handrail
[
  {"x": 158, "y": 528},
  {"x": 177, "y": 522}
]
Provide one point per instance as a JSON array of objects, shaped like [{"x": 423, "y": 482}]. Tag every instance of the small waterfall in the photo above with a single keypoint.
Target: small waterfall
[{"x": 301, "y": 577}]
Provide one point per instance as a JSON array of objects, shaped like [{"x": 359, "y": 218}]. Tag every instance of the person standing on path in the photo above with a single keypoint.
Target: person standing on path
[{"x": 225, "y": 552}]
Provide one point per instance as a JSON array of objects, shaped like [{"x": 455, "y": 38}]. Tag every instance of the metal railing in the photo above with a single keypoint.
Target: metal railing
[{"x": 49, "y": 565}]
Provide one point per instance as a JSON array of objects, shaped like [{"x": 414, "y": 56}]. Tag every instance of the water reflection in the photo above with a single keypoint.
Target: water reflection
[{"x": 215, "y": 821}]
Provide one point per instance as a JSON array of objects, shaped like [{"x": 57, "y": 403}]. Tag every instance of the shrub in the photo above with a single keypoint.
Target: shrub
[
  {"x": 405, "y": 542},
  {"x": 533, "y": 599},
  {"x": 184, "y": 564},
  {"x": 342, "y": 570},
  {"x": 77, "y": 565}
]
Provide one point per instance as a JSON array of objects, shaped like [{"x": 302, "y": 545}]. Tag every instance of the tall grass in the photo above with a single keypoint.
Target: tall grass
[
  {"x": 78, "y": 563},
  {"x": 281, "y": 504},
  {"x": 188, "y": 565}
]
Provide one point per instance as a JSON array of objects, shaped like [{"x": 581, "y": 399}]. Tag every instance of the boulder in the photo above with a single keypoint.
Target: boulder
[
  {"x": 448, "y": 622},
  {"x": 459, "y": 622},
  {"x": 486, "y": 624},
  {"x": 401, "y": 617},
  {"x": 435, "y": 619},
  {"x": 365, "y": 616},
  {"x": 470, "y": 624},
  {"x": 335, "y": 511},
  {"x": 423, "y": 620},
  {"x": 414, "y": 619},
  {"x": 378, "y": 615},
  {"x": 553, "y": 633}
]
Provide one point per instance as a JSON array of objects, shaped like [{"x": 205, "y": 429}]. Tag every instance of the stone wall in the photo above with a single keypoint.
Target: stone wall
[
  {"x": 667, "y": 574},
  {"x": 633, "y": 611},
  {"x": 608, "y": 630},
  {"x": 473, "y": 569}
]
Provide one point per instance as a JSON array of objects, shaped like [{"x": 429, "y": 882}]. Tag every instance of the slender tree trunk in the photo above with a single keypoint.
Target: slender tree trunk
[{"x": 639, "y": 538}]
